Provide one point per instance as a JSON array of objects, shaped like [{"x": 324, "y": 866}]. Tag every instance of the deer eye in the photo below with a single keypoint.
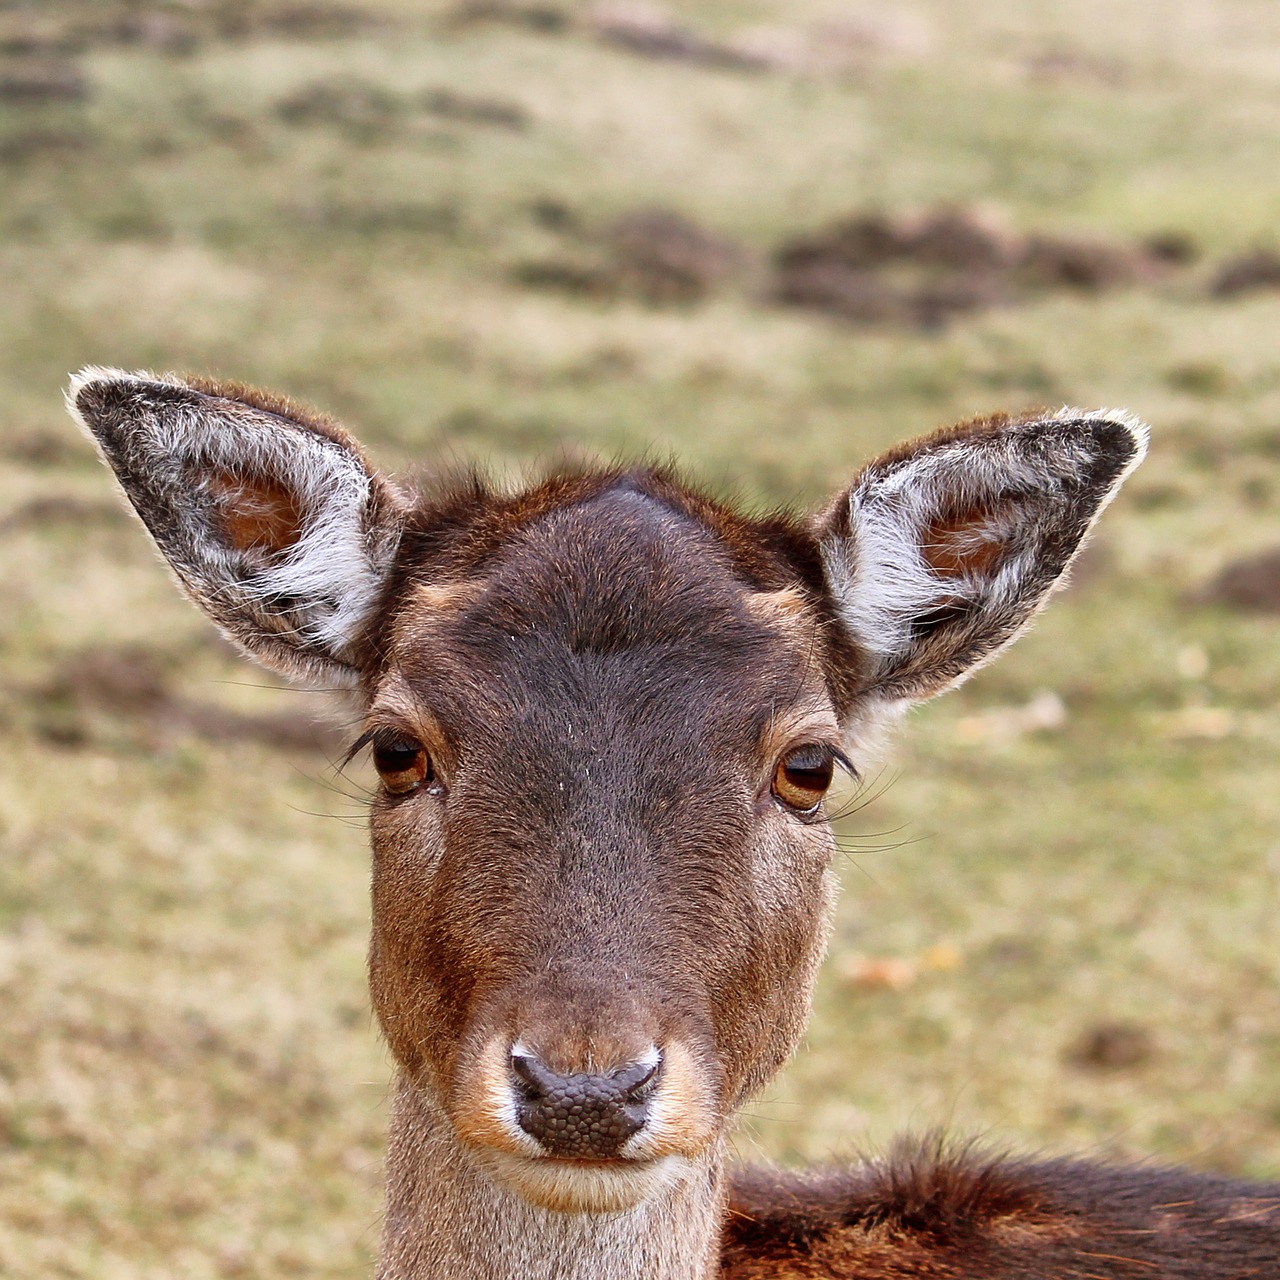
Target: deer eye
[
  {"x": 402, "y": 764},
  {"x": 803, "y": 777}
]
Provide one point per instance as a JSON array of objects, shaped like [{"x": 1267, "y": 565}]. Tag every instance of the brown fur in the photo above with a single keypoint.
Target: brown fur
[
  {"x": 931, "y": 1210},
  {"x": 279, "y": 406},
  {"x": 257, "y": 516}
]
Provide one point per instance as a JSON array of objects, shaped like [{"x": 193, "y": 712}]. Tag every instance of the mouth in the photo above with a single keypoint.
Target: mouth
[{"x": 582, "y": 1186}]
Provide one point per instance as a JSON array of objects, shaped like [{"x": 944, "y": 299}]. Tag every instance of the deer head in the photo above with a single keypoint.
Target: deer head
[{"x": 605, "y": 711}]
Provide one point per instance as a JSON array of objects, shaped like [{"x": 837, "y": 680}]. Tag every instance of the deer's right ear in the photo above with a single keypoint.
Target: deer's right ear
[{"x": 269, "y": 516}]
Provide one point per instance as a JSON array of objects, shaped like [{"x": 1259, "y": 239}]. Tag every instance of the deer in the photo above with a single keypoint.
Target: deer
[{"x": 605, "y": 708}]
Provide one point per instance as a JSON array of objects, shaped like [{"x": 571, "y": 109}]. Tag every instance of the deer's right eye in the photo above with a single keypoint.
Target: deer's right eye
[{"x": 402, "y": 764}]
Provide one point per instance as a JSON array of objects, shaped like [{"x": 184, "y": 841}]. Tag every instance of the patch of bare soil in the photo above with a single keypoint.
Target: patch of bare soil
[
  {"x": 1247, "y": 273},
  {"x": 367, "y": 110},
  {"x": 920, "y": 269},
  {"x": 1112, "y": 1046},
  {"x": 36, "y": 81},
  {"x": 838, "y": 44},
  {"x": 1250, "y": 584},
  {"x": 654, "y": 255},
  {"x": 95, "y": 692},
  {"x": 28, "y": 144},
  {"x": 835, "y": 45},
  {"x": 924, "y": 269},
  {"x": 346, "y": 102},
  {"x": 648, "y": 30},
  {"x": 130, "y": 679},
  {"x": 475, "y": 109},
  {"x": 545, "y": 18},
  {"x": 174, "y": 26}
]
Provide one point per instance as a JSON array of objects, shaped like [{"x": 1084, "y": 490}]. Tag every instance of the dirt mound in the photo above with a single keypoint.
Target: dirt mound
[
  {"x": 367, "y": 110},
  {"x": 1251, "y": 584},
  {"x": 95, "y": 693},
  {"x": 34, "y": 82},
  {"x": 176, "y": 27},
  {"x": 28, "y": 143},
  {"x": 664, "y": 256},
  {"x": 474, "y": 109},
  {"x": 1259, "y": 269},
  {"x": 1090, "y": 265},
  {"x": 1112, "y": 1046},
  {"x": 548, "y": 19},
  {"x": 655, "y": 255},
  {"x": 839, "y": 44},
  {"x": 923, "y": 269},
  {"x": 648, "y": 30},
  {"x": 132, "y": 678}
]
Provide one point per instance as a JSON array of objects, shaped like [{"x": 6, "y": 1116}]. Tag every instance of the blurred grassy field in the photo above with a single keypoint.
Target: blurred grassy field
[{"x": 1066, "y": 941}]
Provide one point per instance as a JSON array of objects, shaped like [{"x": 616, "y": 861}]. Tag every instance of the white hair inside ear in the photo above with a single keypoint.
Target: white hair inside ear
[{"x": 942, "y": 551}]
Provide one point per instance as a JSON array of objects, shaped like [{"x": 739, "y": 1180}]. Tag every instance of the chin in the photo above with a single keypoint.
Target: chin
[{"x": 583, "y": 1186}]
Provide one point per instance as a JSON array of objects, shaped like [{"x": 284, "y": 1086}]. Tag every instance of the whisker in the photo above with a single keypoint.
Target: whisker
[{"x": 355, "y": 823}]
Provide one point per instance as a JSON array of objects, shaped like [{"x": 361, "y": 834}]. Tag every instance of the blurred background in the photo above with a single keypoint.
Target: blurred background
[{"x": 768, "y": 238}]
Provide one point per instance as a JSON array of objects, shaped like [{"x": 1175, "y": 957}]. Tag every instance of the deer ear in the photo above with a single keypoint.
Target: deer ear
[
  {"x": 943, "y": 550},
  {"x": 269, "y": 516}
]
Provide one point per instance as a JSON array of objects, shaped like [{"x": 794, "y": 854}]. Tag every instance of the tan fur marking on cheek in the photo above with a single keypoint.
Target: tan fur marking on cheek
[
  {"x": 682, "y": 1117},
  {"x": 484, "y": 1107},
  {"x": 256, "y": 515}
]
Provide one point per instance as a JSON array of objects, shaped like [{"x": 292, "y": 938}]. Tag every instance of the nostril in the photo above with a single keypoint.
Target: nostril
[
  {"x": 583, "y": 1115},
  {"x": 637, "y": 1081},
  {"x": 535, "y": 1078}
]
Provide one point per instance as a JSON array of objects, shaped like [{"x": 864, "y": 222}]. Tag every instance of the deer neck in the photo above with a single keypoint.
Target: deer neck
[{"x": 446, "y": 1218}]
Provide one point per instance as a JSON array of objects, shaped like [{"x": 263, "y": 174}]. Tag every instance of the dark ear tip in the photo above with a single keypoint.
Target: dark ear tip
[
  {"x": 95, "y": 392},
  {"x": 1117, "y": 433},
  {"x": 94, "y": 387}
]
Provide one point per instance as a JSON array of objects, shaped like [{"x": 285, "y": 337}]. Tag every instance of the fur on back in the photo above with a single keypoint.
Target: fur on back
[{"x": 934, "y": 1209}]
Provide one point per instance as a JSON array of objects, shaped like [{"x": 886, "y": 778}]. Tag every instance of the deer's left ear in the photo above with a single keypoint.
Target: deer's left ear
[
  {"x": 269, "y": 516},
  {"x": 942, "y": 550}
]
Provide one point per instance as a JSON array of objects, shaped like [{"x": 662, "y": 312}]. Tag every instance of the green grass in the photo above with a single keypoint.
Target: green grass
[{"x": 189, "y": 1083}]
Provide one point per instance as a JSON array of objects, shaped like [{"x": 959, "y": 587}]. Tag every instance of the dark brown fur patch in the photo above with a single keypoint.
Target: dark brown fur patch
[{"x": 932, "y": 1211}]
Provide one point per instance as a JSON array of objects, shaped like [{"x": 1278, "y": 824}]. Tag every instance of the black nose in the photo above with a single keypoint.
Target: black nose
[{"x": 584, "y": 1117}]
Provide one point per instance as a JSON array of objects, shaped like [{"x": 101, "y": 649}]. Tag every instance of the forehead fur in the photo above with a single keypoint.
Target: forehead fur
[
  {"x": 467, "y": 530},
  {"x": 459, "y": 525},
  {"x": 625, "y": 591}
]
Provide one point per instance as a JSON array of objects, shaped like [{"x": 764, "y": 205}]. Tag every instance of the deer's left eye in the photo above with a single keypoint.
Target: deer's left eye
[
  {"x": 402, "y": 764},
  {"x": 803, "y": 776}
]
